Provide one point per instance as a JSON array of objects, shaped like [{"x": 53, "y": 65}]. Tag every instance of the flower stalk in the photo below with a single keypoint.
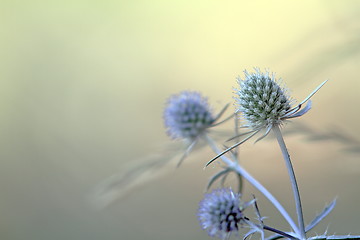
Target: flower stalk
[{"x": 293, "y": 181}]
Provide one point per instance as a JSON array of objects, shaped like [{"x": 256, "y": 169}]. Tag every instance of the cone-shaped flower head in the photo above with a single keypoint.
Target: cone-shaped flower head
[
  {"x": 261, "y": 100},
  {"x": 220, "y": 213},
  {"x": 264, "y": 105},
  {"x": 187, "y": 115}
]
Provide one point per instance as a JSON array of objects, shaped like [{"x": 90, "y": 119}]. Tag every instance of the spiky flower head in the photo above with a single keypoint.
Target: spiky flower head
[
  {"x": 261, "y": 100},
  {"x": 187, "y": 115},
  {"x": 265, "y": 105},
  {"x": 220, "y": 213}
]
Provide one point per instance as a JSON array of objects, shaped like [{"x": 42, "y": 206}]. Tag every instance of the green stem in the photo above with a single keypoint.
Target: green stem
[{"x": 294, "y": 184}]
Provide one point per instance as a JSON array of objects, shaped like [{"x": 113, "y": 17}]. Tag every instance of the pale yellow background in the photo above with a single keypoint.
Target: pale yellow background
[{"x": 83, "y": 86}]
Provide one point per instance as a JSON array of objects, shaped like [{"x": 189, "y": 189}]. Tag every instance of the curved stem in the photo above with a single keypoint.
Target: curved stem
[
  {"x": 236, "y": 167},
  {"x": 294, "y": 184}
]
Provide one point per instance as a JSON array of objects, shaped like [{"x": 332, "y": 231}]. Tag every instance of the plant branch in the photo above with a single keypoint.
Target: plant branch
[
  {"x": 291, "y": 172},
  {"x": 236, "y": 167}
]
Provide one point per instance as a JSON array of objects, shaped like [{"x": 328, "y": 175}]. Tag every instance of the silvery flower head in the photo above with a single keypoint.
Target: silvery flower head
[
  {"x": 187, "y": 115},
  {"x": 220, "y": 213},
  {"x": 264, "y": 103},
  {"x": 261, "y": 100}
]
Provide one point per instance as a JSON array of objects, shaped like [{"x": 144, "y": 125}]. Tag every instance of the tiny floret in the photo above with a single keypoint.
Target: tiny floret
[
  {"x": 261, "y": 100},
  {"x": 220, "y": 213},
  {"x": 187, "y": 115}
]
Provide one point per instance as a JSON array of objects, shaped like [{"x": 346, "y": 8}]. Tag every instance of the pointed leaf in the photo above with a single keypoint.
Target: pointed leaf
[
  {"x": 321, "y": 216},
  {"x": 302, "y": 111},
  {"x": 239, "y": 135},
  {"x": 240, "y": 182},
  {"x": 275, "y": 237},
  {"x": 223, "y": 179},
  {"x": 232, "y": 147},
  {"x": 265, "y": 134},
  {"x": 312, "y": 94},
  {"x": 215, "y": 177},
  {"x": 336, "y": 237},
  {"x": 221, "y": 112},
  {"x": 249, "y": 233},
  {"x": 187, "y": 152},
  {"x": 219, "y": 115}
]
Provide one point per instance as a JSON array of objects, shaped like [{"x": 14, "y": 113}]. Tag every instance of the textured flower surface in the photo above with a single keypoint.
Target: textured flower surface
[
  {"x": 187, "y": 115},
  {"x": 264, "y": 105},
  {"x": 220, "y": 213},
  {"x": 261, "y": 100}
]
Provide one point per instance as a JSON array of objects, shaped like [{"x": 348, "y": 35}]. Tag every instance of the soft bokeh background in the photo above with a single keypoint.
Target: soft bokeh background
[{"x": 83, "y": 86}]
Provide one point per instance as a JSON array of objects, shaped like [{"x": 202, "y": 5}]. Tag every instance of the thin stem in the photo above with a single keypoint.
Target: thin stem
[
  {"x": 278, "y": 232},
  {"x": 236, "y": 151},
  {"x": 236, "y": 167},
  {"x": 236, "y": 125},
  {"x": 294, "y": 184}
]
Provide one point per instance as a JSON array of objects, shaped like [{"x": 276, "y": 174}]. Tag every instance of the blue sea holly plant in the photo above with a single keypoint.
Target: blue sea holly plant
[
  {"x": 176, "y": 116},
  {"x": 263, "y": 105}
]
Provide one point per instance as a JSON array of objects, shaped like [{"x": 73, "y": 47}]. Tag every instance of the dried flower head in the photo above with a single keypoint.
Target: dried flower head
[
  {"x": 220, "y": 213},
  {"x": 187, "y": 115}
]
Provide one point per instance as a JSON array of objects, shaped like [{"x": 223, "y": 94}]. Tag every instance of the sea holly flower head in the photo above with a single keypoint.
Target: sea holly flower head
[
  {"x": 264, "y": 103},
  {"x": 221, "y": 213},
  {"x": 261, "y": 100},
  {"x": 187, "y": 115}
]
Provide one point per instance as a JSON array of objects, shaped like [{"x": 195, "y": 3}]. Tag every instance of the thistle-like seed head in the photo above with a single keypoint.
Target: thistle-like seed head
[
  {"x": 187, "y": 115},
  {"x": 220, "y": 212},
  {"x": 261, "y": 100}
]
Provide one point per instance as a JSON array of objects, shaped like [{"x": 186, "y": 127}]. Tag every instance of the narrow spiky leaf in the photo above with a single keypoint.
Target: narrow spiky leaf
[
  {"x": 249, "y": 234},
  {"x": 187, "y": 152},
  {"x": 275, "y": 237},
  {"x": 232, "y": 147},
  {"x": 223, "y": 179},
  {"x": 215, "y": 177},
  {"x": 335, "y": 237},
  {"x": 321, "y": 216},
  {"x": 218, "y": 116}
]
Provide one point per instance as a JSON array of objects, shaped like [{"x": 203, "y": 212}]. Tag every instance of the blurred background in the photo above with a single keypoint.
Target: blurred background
[{"x": 84, "y": 84}]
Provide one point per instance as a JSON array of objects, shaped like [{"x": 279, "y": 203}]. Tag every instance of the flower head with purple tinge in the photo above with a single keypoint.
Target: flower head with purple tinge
[
  {"x": 187, "y": 115},
  {"x": 220, "y": 213}
]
